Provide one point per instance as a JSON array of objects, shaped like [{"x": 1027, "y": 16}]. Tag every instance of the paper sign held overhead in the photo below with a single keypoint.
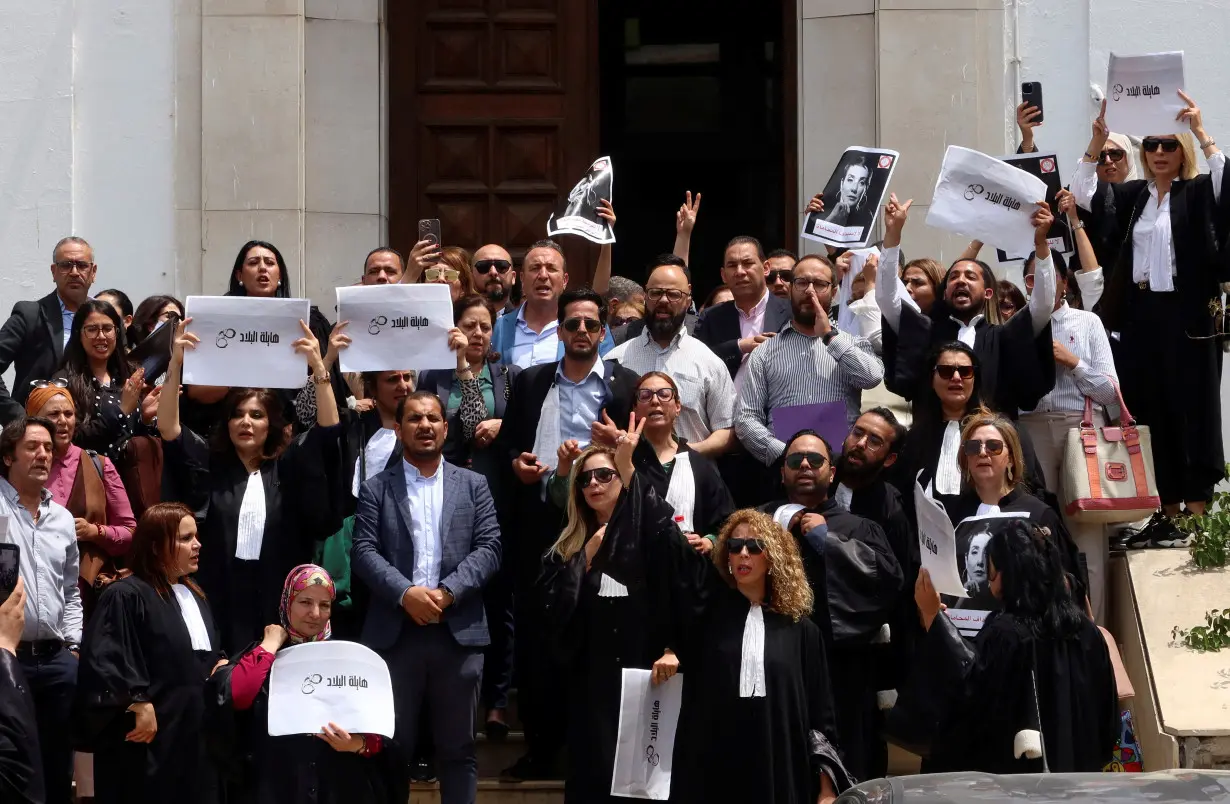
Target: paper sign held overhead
[
  {"x": 853, "y": 196},
  {"x": 246, "y": 341},
  {"x": 396, "y": 327},
  {"x": 317, "y": 683},
  {"x": 1046, "y": 168},
  {"x": 1142, "y": 94},
  {"x": 985, "y": 199},
  {"x": 578, "y": 214}
]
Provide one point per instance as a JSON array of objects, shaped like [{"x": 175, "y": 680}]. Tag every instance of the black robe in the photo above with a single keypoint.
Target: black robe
[
  {"x": 292, "y": 769},
  {"x": 603, "y": 635},
  {"x": 245, "y": 595},
  {"x": 137, "y": 648},
  {"x": 713, "y": 500},
  {"x": 21, "y": 766},
  {"x": 857, "y": 582}
]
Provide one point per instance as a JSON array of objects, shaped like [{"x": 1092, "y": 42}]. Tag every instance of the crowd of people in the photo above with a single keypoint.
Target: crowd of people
[{"x": 610, "y": 478}]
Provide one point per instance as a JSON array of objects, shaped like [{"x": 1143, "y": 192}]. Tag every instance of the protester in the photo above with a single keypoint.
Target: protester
[
  {"x": 855, "y": 575},
  {"x": 719, "y": 295},
  {"x": 21, "y": 767},
  {"x": 1009, "y": 298},
  {"x": 331, "y": 767},
  {"x": 1038, "y": 693},
  {"x": 120, "y": 302},
  {"x": 147, "y": 651},
  {"x": 383, "y": 266},
  {"x": 51, "y": 636},
  {"x": 626, "y": 313},
  {"x": 494, "y": 277},
  {"x": 152, "y": 313},
  {"x": 263, "y": 502},
  {"x": 426, "y": 572},
  {"x": 924, "y": 281},
  {"x": 705, "y": 388},
  {"x": 452, "y": 269},
  {"x": 1168, "y": 269},
  {"x": 36, "y": 333},
  {"x": 779, "y": 270}
]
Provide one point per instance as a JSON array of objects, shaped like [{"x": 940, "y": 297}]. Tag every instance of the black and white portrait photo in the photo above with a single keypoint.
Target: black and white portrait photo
[
  {"x": 578, "y": 213},
  {"x": 973, "y": 536},
  {"x": 852, "y": 198},
  {"x": 1046, "y": 168}
]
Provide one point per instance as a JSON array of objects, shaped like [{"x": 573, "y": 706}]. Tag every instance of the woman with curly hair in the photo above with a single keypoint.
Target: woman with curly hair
[{"x": 755, "y": 673}]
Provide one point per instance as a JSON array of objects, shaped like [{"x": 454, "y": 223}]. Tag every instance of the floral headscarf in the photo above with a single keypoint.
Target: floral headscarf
[{"x": 300, "y": 578}]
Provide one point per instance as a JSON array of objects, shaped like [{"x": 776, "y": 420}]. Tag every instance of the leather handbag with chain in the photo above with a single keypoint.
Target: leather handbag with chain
[{"x": 1108, "y": 470}]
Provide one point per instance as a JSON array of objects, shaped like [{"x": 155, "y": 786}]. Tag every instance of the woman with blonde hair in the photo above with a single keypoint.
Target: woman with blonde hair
[
  {"x": 452, "y": 269},
  {"x": 1162, "y": 291}
]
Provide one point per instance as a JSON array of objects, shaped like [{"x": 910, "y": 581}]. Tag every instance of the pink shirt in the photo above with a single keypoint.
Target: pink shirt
[
  {"x": 750, "y": 325},
  {"x": 117, "y": 534}
]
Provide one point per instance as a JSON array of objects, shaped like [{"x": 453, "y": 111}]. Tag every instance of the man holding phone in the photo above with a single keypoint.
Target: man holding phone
[{"x": 45, "y": 533}]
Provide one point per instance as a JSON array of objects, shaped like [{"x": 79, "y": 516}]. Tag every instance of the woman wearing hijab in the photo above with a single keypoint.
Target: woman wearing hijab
[
  {"x": 326, "y": 768},
  {"x": 144, "y": 660}
]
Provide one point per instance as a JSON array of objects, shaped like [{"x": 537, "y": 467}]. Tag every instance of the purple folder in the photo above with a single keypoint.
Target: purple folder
[{"x": 826, "y": 418}]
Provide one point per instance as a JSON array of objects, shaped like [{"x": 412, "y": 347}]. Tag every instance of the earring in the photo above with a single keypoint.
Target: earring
[{"x": 730, "y": 568}]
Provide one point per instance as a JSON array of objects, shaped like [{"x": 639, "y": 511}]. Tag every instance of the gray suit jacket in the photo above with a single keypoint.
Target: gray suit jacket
[{"x": 383, "y": 553}]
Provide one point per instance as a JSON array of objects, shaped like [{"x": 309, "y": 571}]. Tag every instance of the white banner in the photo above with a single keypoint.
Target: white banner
[
  {"x": 937, "y": 544},
  {"x": 645, "y": 746},
  {"x": 245, "y": 342},
  {"x": 1142, "y": 94},
  {"x": 396, "y": 327},
  {"x": 317, "y": 683},
  {"x": 982, "y": 198}
]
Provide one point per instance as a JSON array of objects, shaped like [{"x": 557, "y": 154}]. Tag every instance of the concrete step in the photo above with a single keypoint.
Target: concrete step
[
  {"x": 494, "y": 791},
  {"x": 494, "y": 757}
]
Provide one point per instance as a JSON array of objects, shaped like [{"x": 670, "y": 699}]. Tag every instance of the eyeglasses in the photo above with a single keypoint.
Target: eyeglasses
[
  {"x": 74, "y": 266},
  {"x": 591, "y": 325},
  {"x": 946, "y": 370},
  {"x": 773, "y": 277},
  {"x": 873, "y": 440},
  {"x": 646, "y": 394},
  {"x": 485, "y": 266},
  {"x": 734, "y": 546},
  {"x": 795, "y": 460},
  {"x": 61, "y": 383},
  {"x": 94, "y": 330},
  {"x": 434, "y": 274},
  {"x": 603, "y": 475},
  {"x": 802, "y": 283},
  {"x": 974, "y": 446},
  {"x": 1112, "y": 155},
  {"x": 673, "y": 295},
  {"x": 1151, "y": 144}
]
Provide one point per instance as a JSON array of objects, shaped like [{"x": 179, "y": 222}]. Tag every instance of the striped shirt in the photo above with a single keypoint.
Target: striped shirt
[
  {"x": 1082, "y": 334},
  {"x": 706, "y": 391},
  {"x": 797, "y": 369}
]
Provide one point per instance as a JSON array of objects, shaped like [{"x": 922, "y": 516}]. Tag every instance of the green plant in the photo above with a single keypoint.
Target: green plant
[
  {"x": 1210, "y": 532},
  {"x": 1212, "y": 636}
]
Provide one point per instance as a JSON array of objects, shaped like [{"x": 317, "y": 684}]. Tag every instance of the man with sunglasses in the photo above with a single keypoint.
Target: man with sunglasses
[
  {"x": 779, "y": 270},
  {"x": 494, "y": 277},
  {"x": 554, "y": 405},
  {"x": 857, "y": 583},
  {"x": 36, "y": 333}
]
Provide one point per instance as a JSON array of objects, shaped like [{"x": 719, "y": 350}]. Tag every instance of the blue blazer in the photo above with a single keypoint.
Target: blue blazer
[
  {"x": 504, "y": 335},
  {"x": 383, "y": 554}
]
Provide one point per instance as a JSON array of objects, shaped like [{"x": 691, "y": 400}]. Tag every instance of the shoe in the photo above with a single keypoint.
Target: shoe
[
  {"x": 423, "y": 771},
  {"x": 528, "y": 769},
  {"x": 496, "y": 730},
  {"x": 1159, "y": 533}
]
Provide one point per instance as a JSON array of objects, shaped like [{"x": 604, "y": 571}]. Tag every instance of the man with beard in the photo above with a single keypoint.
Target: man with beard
[
  {"x": 809, "y": 363},
  {"x": 1022, "y": 347},
  {"x": 494, "y": 278},
  {"x": 557, "y": 406},
  {"x": 706, "y": 391},
  {"x": 856, "y": 581}
]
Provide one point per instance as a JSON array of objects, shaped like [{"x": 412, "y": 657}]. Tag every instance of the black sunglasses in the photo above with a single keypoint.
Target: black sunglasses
[
  {"x": 946, "y": 371},
  {"x": 485, "y": 266},
  {"x": 974, "y": 446},
  {"x": 591, "y": 325},
  {"x": 1151, "y": 144},
  {"x": 646, "y": 394},
  {"x": 795, "y": 460},
  {"x": 603, "y": 475},
  {"x": 784, "y": 276},
  {"x": 735, "y": 545},
  {"x": 1111, "y": 155}
]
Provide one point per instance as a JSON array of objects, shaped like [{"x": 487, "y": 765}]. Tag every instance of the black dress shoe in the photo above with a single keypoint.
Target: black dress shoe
[
  {"x": 423, "y": 771},
  {"x": 496, "y": 730},
  {"x": 528, "y": 769}
]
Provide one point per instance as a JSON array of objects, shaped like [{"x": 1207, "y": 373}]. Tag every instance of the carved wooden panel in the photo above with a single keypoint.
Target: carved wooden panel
[
  {"x": 526, "y": 57},
  {"x": 526, "y": 158},
  {"x": 455, "y": 158}
]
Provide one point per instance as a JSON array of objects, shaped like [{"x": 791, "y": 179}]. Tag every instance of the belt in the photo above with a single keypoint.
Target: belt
[{"x": 40, "y": 647}]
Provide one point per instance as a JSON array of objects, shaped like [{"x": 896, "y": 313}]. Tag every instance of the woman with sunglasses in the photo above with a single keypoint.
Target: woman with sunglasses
[
  {"x": 1009, "y": 299},
  {"x": 452, "y": 269},
  {"x": 1167, "y": 274}
]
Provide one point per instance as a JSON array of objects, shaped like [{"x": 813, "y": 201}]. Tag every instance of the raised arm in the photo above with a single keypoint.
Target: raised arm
[
  {"x": 1042, "y": 300},
  {"x": 308, "y": 346},
  {"x": 1089, "y": 276},
  {"x": 1216, "y": 160},
  {"x": 685, "y": 221},
  {"x": 888, "y": 289},
  {"x": 168, "y": 397},
  {"x": 1085, "y": 183},
  {"x": 602, "y": 274}
]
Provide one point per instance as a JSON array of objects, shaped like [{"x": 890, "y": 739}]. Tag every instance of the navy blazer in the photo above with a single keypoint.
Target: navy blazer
[
  {"x": 383, "y": 554},
  {"x": 718, "y": 328}
]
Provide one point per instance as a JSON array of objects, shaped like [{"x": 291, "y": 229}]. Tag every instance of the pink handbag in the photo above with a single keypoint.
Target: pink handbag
[{"x": 1108, "y": 471}]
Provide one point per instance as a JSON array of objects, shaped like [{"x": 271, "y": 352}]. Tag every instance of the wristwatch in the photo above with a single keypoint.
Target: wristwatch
[{"x": 828, "y": 336}]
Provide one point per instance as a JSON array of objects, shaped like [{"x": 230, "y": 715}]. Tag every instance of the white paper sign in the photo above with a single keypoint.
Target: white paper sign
[
  {"x": 853, "y": 196},
  {"x": 245, "y": 342},
  {"x": 937, "y": 544},
  {"x": 645, "y": 746},
  {"x": 982, "y": 198},
  {"x": 846, "y": 320},
  {"x": 396, "y": 327},
  {"x": 317, "y": 683},
  {"x": 1142, "y": 94}
]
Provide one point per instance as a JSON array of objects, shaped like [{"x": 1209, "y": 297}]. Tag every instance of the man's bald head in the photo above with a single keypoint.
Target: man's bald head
[{"x": 493, "y": 272}]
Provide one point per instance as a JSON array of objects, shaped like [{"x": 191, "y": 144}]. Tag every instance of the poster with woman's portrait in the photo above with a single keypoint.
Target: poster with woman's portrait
[
  {"x": 578, "y": 214},
  {"x": 973, "y": 563},
  {"x": 852, "y": 198}
]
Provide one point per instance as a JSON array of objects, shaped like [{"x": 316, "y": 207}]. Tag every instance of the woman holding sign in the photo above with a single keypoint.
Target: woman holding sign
[
  {"x": 330, "y": 767},
  {"x": 263, "y": 502},
  {"x": 1161, "y": 296}
]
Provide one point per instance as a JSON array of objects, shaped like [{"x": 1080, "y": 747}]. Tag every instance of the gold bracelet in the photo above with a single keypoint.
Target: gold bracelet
[{"x": 321, "y": 379}]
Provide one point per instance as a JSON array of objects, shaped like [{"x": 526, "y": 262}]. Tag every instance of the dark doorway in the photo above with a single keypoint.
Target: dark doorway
[{"x": 698, "y": 97}]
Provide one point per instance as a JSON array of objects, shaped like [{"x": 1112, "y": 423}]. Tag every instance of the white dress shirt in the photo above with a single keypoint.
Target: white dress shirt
[
  {"x": 1082, "y": 334},
  {"x": 751, "y": 324},
  {"x": 50, "y": 565},
  {"x": 530, "y": 348},
  {"x": 251, "y": 520},
  {"x": 425, "y": 496}
]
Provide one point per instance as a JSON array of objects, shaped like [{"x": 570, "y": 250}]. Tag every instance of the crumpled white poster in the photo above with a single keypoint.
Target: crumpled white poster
[
  {"x": 985, "y": 199},
  {"x": 937, "y": 544},
  {"x": 1142, "y": 94},
  {"x": 317, "y": 683},
  {"x": 648, "y": 718}
]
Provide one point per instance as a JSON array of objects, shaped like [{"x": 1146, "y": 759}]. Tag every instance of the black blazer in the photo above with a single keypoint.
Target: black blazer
[
  {"x": 33, "y": 338},
  {"x": 718, "y": 328}
]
